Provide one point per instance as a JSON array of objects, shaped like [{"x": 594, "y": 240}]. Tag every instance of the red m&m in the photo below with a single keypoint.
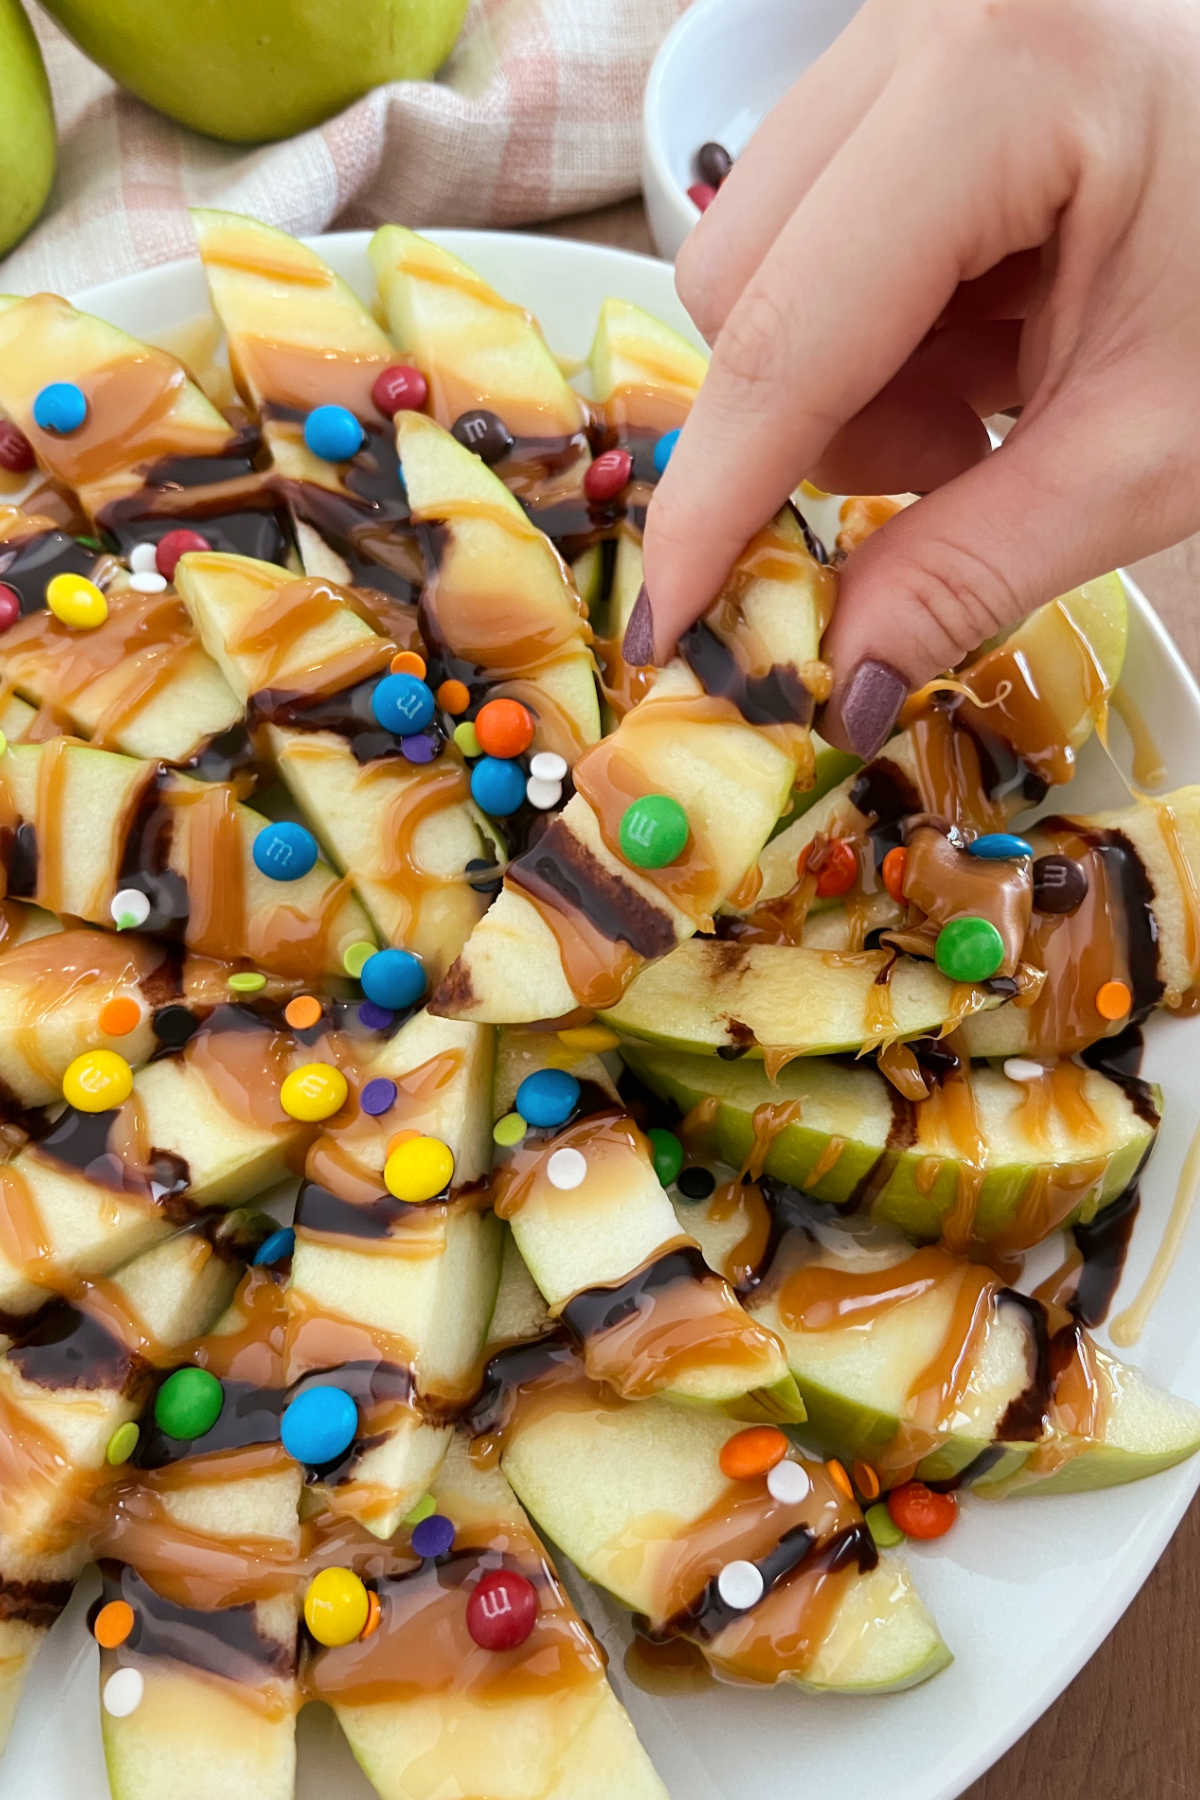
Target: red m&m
[
  {"x": 10, "y": 606},
  {"x": 502, "y": 1611},
  {"x": 702, "y": 194},
  {"x": 16, "y": 452},
  {"x": 607, "y": 476},
  {"x": 399, "y": 388},
  {"x": 174, "y": 545}
]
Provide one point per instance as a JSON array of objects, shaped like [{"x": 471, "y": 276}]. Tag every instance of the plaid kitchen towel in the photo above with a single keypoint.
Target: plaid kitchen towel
[{"x": 536, "y": 114}]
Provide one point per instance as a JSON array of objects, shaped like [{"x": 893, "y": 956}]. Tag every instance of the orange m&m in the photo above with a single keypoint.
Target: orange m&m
[
  {"x": 919, "y": 1512},
  {"x": 836, "y": 869},
  {"x": 504, "y": 728},
  {"x": 752, "y": 1452},
  {"x": 454, "y": 697},
  {"x": 893, "y": 869},
  {"x": 119, "y": 1016}
]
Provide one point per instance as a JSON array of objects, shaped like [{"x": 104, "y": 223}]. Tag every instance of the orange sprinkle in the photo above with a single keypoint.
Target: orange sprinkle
[
  {"x": 119, "y": 1016},
  {"x": 113, "y": 1624},
  {"x": 302, "y": 1012},
  {"x": 839, "y": 1477},
  {"x": 454, "y": 697},
  {"x": 1113, "y": 1000},
  {"x": 753, "y": 1452},
  {"x": 408, "y": 662},
  {"x": 374, "y": 1613},
  {"x": 865, "y": 1479},
  {"x": 893, "y": 870},
  {"x": 400, "y": 1137}
]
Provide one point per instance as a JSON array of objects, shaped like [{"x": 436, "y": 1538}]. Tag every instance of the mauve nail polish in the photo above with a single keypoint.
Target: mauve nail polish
[
  {"x": 870, "y": 706},
  {"x": 638, "y": 645}
]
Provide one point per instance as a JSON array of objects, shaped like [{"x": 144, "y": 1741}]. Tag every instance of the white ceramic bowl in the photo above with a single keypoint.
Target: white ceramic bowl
[{"x": 718, "y": 72}]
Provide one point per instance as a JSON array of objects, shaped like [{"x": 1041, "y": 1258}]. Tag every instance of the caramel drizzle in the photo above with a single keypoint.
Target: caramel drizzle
[
  {"x": 1185, "y": 875},
  {"x": 1129, "y": 1325},
  {"x": 266, "y": 642}
]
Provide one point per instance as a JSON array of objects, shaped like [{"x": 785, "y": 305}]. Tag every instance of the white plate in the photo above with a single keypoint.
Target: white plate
[{"x": 1024, "y": 1590}]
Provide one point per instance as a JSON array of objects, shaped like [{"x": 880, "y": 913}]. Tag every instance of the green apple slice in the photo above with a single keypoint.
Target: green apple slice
[
  {"x": 720, "y": 996},
  {"x": 100, "y": 823},
  {"x": 1060, "y": 667},
  {"x": 942, "y": 1368},
  {"x": 218, "y": 1663},
  {"x": 1001, "y": 1161},
  {"x": 406, "y": 1290},
  {"x": 610, "y": 1259},
  {"x": 481, "y": 550},
  {"x": 405, "y": 833},
  {"x": 575, "y": 920},
  {"x": 421, "y": 1725}
]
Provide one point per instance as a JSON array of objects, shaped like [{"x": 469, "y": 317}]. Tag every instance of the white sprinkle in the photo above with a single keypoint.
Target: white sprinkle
[
  {"x": 130, "y": 906},
  {"x": 740, "y": 1585},
  {"x": 543, "y": 794},
  {"x": 1020, "y": 1068},
  {"x": 547, "y": 765},
  {"x": 788, "y": 1483},
  {"x": 147, "y": 581},
  {"x": 123, "y": 1693},
  {"x": 143, "y": 558},
  {"x": 566, "y": 1169}
]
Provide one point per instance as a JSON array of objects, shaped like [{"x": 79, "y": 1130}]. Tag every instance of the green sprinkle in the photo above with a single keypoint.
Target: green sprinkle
[
  {"x": 122, "y": 1444},
  {"x": 667, "y": 1152},
  {"x": 357, "y": 958},
  {"x": 883, "y": 1527},
  {"x": 126, "y": 922},
  {"x": 653, "y": 832},
  {"x": 465, "y": 738},
  {"x": 422, "y": 1510},
  {"x": 90, "y": 543},
  {"x": 509, "y": 1130},
  {"x": 247, "y": 981},
  {"x": 968, "y": 949},
  {"x": 188, "y": 1403}
]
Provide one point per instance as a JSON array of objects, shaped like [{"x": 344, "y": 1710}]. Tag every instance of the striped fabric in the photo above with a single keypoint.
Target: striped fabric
[{"x": 536, "y": 115}]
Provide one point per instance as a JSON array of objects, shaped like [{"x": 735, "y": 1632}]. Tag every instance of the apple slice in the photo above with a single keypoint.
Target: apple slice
[
  {"x": 94, "y": 824},
  {"x": 302, "y": 657},
  {"x": 203, "y": 1544},
  {"x": 425, "y": 1708},
  {"x": 1043, "y": 690},
  {"x": 604, "y": 1246},
  {"x": 499, "y": 606},
  {"x": 152, "y": 452},
  {"x": 724, "y": 735},
  {"x": 392, "y": 1300},
  {"x": 921, "y": 1363},
  {"x": 983, "y": 1159}
]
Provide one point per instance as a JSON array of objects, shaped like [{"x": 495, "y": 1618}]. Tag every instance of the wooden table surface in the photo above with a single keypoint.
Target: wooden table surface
[{"x": 1128, "y": 1727}]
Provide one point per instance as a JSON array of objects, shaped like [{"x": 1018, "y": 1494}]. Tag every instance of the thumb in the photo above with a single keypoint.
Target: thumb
[{"x": 1055, "y": 506}]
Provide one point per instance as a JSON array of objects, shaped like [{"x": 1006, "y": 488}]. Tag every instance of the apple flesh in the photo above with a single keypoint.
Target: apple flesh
[{"x": 28, "y": 150}]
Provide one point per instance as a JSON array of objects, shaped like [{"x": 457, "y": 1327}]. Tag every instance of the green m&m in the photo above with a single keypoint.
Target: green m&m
[
  {"x": 188, "y": 1403},
  {"x": 667, "y": 1152},
  {"x": 968, "y": 949},
  {"x": 653, "y": 831}
]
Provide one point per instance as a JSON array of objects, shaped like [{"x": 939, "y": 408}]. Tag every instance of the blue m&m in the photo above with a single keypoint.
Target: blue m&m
[
  {"x": 333, "y": 433},
  {"x": 1000, "y": 846},
  {"x": 497, "y": 785},
  {"x": 664, "y": 450},
  {"x": 62, "y": 407},
  {"x": 276, "y": 1248},
  {"x": 403, "y": 704},
  {"x": 393, "y": 978},
  {"x": 319, "y": 1426},
  {"x": 284, "y": 851},
  {"x": 548, "y": 1097}
]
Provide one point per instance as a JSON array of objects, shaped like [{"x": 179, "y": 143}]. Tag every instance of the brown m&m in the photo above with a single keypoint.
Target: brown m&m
[
  {"x": 1060, "y": 884},
  {"x": 484, "y": 433}
]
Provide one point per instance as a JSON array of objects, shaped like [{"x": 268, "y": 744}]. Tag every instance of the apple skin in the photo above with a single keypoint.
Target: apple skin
[
  {"x": 248, "y": 73},
  {"x": 28, "y": 149}
]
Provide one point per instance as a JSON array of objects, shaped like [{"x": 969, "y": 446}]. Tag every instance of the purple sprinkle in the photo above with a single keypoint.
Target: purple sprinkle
[
  {"x": 378, "y": 1095},
  {"x": 433, "y": 1536},
  {"x": 419, "y": 747},
  {"x": 374, "y": 1018}
]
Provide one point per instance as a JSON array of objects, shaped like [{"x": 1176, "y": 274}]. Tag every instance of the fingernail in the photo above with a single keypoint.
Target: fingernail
[
  {"x": 638, "y": 645},
  {"x": 870, "y": 706}
]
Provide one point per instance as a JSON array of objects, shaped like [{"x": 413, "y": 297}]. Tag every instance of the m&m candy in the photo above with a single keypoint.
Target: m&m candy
[
  {"x": 921, "y": 1512},
  {"x": 403, "y": 704},
  {"x": 10, "y": 606},
  {"x": 484, "y": 433},
  {"x": 276, "y": 1248},
  {"x": 76, "y": 601},
  {"x": 312, "y": 1092},
  {"x": 454, "y": 697},
  {"x": 893, "y": 869},
  {"x": 968, "y": 949},
  {"x": 702, "y": 194},
  {"x": 653, "y": 831},
  {"x": 393, "y": 978},
  {"x": 336, "y": 1606},
  {"x": 664, "y": 450},
  {"x": 1000, "y": 846},
  {"x": 504, "y": 728},
  {"x": 837, "y": 870},
  {"x": 548, "y": 1097},
  {"x": 667, "y": 1154},
  {"x": 61, "y": 407},
  {"x": 378, "y": 1096},
  {"x": 97, "y": 1081},
  {"x": 607, "y": 476},
  {"x": 16, "y": 452},
  {"x": 433, "y": 1535},
  {"x": 333, "y": 433},
  {"x": 399, "y": 388},
  {"x": 188, "y": 1403},
  {"x": 419, "y": 1169},
  {"x": 319, "y": 1425},
  {"x": 752, "y": 1452},
  {"x": 174, "y": 545},
  {"x": 497, "y": 786},
  {"x": 284, "y": 851},
  {"x": 502, "y": 1610}
]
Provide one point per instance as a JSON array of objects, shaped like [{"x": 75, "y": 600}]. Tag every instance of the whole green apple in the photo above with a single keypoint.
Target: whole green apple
[
  {"x": 247, "y": 70},
  {"x": 27, "y": 145}
]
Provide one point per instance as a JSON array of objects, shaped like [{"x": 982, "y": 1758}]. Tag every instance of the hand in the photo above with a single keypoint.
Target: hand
[{"x": 966, "y": 205}]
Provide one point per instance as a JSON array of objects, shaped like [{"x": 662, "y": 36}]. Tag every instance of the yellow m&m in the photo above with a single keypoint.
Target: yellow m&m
[
  {"x": 336, "y": 1606},
  {"x": 312, "y": 1092},
  {"x": 418, "y": 1169},
  {"x": 97, "y": 1081},
  {"x": 76, "y": 601}
]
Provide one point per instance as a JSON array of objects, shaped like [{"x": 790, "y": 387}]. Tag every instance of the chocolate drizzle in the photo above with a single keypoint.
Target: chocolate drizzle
[
  {"x": 19, "y": 855},
  {"x": 883, "y": 793},
  {"x": 320, "y": 1210},
  {"x": 227, "y": 1643},
  {"x": 347, "y": 713},
  {"x": 28, "y": 564},
  {"x": 798, "y": 1553},
  {"x": 35, "y": 1603},
  {"x": 83, "y": 1141},
  {"x": 70, "y": 1349},
  {"x": 777, "y": 698},
  {"x": 508, "y": 1372},
  {"x": 565, "y": 875},
  {"x": 596, "y": 1310},
  {"x": 173, "y": 493},
  {"x": 249, "y": 1416},
  {"x": 146, "y": 857}
]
